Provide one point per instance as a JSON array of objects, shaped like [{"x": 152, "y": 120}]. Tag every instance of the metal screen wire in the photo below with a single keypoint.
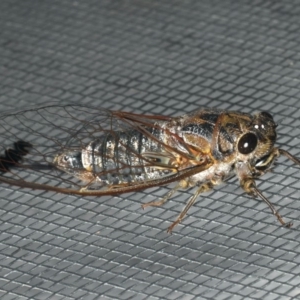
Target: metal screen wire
[{"x": 157, "y": 57}]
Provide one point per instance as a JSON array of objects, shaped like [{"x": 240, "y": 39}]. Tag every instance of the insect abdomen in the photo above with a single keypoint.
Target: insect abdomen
[{"x": 118, "y": 157}]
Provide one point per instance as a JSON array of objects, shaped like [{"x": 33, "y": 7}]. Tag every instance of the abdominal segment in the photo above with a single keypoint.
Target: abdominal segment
[{"x": 116, "y": 158}]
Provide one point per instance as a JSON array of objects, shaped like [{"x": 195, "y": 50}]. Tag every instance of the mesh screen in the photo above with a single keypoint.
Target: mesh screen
[{"x": 157, "y": 57}]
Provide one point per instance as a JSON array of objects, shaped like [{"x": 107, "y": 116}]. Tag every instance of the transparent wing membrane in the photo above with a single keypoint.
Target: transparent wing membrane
[{"x": 109, "y": 145}]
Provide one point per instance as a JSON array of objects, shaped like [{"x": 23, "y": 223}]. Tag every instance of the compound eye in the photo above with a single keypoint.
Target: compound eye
[
  {"x": 247, "y": 143},
  {"x": 266, "y": 115}
]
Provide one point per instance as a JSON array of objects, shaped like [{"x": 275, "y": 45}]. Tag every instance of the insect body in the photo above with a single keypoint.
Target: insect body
[{"x": 89, "y": 151}]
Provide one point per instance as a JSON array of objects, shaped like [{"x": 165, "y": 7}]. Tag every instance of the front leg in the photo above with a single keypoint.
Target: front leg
[{"x": 249, "y": 186}]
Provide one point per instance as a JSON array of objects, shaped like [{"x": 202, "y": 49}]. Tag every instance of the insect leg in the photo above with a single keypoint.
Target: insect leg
[
  {"x": 249, "y": 186},
  {"x": 203, "y": 188},
  {"x": 163, "y": 200},
  {"x": 289, "y": 156},
  {"x": 182, "y": 184}
]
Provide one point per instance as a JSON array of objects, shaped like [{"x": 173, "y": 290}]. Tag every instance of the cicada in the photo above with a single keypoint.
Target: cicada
[{"x": 90, "y": 151}]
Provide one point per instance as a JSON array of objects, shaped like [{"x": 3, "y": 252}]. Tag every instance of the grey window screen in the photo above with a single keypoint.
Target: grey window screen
[{"x": 158, "y": 57}]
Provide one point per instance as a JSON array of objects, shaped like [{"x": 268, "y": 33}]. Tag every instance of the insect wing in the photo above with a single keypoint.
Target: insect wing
[{"x": 32, "y": 139}]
